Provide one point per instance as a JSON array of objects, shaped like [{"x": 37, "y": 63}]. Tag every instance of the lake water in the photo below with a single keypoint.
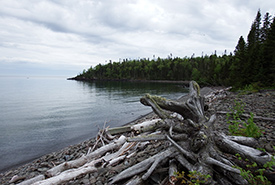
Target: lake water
[{"x": 39, "y": 115}]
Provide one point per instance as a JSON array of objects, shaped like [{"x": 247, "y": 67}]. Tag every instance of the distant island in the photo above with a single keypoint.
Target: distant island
[{"x": 252, "y": 64}]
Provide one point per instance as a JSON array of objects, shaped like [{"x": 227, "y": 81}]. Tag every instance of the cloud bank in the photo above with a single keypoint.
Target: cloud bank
[{"x": 64, "y": 37}]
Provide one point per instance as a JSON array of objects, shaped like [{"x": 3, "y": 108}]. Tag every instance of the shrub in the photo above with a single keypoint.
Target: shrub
[{"x": 238, "y": 126}]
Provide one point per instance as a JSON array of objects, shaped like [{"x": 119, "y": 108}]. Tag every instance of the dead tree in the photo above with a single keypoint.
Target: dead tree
[{"x": 194, "y": 143}]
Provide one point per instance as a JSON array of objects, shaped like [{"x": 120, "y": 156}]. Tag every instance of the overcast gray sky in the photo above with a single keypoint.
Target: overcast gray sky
[{"x": 63, "y": 37}]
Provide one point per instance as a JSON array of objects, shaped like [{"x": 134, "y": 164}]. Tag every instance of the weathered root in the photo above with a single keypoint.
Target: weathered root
[
  {"x": 172, "y": 171},
  {"x": 135, "y": 180},
  {"x": 150, "y": 163},
  {"x": 248, "y": 141},
  {"x": 192, "y": 109},
  {"x": 250, "y": 153},
  {"x": 184, "y": 162},
  {"x": 212, "y": 161},
  {"x": 183, "y": 151}
]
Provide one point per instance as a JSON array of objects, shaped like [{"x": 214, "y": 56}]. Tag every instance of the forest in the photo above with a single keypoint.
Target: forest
[{"x": 252, "y": 63}]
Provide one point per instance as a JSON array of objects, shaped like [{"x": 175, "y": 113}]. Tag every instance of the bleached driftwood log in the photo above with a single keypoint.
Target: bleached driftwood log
[
  {"x": 32, "y": 180},
  {"x": 69, "y": 174},
  {"x": 83, "y": 165},
  {"x": 81, "y": 161},
  {"x": 141, "y": 127}
]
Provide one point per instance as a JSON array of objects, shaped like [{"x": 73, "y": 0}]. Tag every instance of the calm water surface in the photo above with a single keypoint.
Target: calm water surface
[{"x": 40, "y": 115}]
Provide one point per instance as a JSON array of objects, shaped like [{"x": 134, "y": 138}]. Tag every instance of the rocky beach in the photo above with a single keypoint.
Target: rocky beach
[{"x": 261, "y": 104}]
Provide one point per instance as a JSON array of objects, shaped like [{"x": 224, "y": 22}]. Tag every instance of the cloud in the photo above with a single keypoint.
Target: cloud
[{"x": 80, "y": 33}]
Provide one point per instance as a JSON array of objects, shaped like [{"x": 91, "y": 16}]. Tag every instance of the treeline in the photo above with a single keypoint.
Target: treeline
[{"x": 253, "y": 62}]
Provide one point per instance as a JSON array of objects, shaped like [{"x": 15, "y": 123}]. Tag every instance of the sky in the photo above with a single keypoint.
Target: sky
[{"x": 63, "y": 37}]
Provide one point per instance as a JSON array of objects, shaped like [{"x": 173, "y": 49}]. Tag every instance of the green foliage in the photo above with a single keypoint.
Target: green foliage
[
  {"x": 234, "y": 118},
  {"x": 237, "y": 126},
  {"x": 251, "y": 88},
  {"x": 253, "y": 174},
  {"x": 251, "y": 129},
  {"x": 269, "y": 165},
  {"x": 193, "y": 178}
]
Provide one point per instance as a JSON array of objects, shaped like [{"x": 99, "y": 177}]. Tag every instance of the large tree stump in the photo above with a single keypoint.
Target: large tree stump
[{"x": 194, "y": 143}]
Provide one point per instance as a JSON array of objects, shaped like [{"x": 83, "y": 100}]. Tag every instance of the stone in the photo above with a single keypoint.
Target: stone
[
  {"x": 42, "y": 169},
  {"x": 99, "y": 183},
  {"x": 92, "y": 180}
]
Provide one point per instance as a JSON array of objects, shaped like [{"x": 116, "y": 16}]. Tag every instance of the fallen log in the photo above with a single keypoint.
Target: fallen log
[
  {"x": 70, "y": 170},
  {"x": 248, "y": 116},
  {"x": 142, "y": 166},
  {"x": 141, "y": 127},
  {"x": 70, "y": 174},
  {"x": 32, "y": 180},
  {"x": 232, "y": 147},
  {"x": 81, "y": 161}
]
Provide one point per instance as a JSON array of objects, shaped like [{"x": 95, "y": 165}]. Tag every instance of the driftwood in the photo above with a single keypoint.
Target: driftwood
[
  {"x": 201, "y": 149},
  {"x": 193, "y": 146},
  {"x": 81, "y": 161},
  {"x": 248, "y": 116},
  {"x": 86, "y": 164},
  {"x": 141, "y": 127},
  {"x": 33, "y": 180}
]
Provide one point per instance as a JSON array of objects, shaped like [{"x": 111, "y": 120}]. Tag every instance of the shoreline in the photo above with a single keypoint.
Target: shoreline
[
  {"x": 128, "y": 80},
  {"x": 261, "y": 103}
]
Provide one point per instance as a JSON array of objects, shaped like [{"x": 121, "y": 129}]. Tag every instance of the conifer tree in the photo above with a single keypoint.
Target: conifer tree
[
  {"x": 238, "y": 68},
  {"x": 252, "y": 64},
  {"x": 266, "y": 27},
  {"x": 269, "y": 56}
]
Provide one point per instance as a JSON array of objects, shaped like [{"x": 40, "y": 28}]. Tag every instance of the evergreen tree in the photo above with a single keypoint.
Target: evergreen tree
[
  {"x": 266, "y": 27},
  {"x": 238, "y": 73},
  {"x": 252, "y": 63},
  {"x": 269, "y": 56}
]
